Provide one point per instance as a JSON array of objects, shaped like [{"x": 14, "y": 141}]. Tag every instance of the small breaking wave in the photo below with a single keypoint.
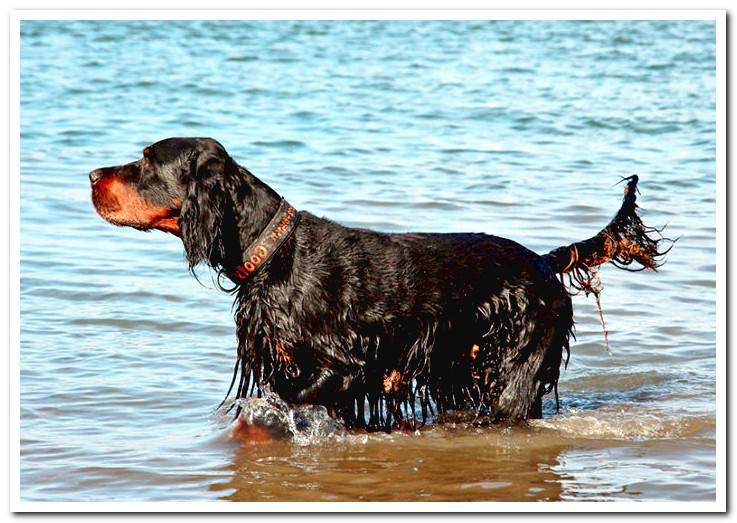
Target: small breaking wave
[{"x": 626, "y": 423}]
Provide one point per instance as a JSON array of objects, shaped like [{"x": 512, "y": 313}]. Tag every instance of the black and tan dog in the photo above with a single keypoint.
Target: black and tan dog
[{"x": 349, "y": 318}]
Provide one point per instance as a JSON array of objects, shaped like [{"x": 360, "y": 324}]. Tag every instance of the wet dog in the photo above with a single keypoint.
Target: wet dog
[{"x": 409, "y": 325}]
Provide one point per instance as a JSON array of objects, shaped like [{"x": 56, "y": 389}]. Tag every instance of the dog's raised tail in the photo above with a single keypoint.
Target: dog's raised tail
[{"x": 624, "y": 241}]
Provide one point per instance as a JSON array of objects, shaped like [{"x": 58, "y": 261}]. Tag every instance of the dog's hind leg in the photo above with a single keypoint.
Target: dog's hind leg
[
  {"x": 536, "y": 410},
  {"x": 526, "y": 373}
]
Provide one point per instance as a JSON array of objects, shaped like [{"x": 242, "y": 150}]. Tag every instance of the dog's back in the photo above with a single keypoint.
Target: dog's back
[{"x": 451, "y": 314}]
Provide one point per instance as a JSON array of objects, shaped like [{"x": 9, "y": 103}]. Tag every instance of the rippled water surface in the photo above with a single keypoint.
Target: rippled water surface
[{"x": 519, "y": 129}]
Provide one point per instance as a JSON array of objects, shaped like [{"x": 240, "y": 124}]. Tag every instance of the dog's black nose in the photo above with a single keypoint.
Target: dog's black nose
[{"x": 95, "y": 175}]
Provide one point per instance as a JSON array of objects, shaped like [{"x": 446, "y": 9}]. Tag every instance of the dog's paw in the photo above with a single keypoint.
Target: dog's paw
[{"x": 254, "y": 432}]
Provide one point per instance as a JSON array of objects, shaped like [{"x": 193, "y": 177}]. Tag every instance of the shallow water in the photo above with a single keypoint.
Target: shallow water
[{"x": 516, "y": 129}]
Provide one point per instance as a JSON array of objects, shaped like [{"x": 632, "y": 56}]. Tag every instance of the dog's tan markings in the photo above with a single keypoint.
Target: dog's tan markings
[
  {"x": 282, "y": 355},
  {"x": 164, "y": 221},
  {"x": 284, "y": 359},
  {"x": 119, "y": 203},
  {"x": 251, "y": 433},
  {"x": 392, "y": 382},
  {"x": 474, "y": 351}
]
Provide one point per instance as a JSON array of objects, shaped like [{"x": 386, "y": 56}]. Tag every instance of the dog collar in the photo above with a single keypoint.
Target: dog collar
[{"x": 260, "y": 252}]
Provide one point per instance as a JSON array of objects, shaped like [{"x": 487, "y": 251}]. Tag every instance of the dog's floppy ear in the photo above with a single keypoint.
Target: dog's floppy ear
[{"x": 207, "y": 223}]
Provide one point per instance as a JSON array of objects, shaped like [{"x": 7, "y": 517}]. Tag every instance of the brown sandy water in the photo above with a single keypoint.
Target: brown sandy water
[{"x": 585, "y": 457}]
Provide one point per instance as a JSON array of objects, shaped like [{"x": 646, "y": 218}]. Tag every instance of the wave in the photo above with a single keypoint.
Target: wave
[{"x": 626, "y": 423}]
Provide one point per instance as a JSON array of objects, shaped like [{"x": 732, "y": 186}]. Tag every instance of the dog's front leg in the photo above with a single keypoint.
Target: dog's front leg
[{"x": 328, "y": 383}]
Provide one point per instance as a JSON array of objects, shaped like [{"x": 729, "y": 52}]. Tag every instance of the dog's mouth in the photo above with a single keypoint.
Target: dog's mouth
[{"x": 119, "y": 203}]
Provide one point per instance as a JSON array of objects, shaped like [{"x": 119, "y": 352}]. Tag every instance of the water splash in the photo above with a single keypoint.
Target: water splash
[{"x": 302, "y": 424}]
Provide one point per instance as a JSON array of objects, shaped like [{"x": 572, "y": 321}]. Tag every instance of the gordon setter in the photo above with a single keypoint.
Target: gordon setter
[{"x": 410, "y": 325}]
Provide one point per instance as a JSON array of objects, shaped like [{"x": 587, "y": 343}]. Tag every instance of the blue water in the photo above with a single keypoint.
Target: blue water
[{"x": 519, "y": 129}]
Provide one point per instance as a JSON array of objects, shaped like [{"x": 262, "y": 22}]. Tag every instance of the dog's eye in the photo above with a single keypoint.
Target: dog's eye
[{"x": 146, "y": 151}]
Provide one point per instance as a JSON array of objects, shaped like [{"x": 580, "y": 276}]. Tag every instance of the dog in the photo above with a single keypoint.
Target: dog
[{"x": 352, "y": 318}]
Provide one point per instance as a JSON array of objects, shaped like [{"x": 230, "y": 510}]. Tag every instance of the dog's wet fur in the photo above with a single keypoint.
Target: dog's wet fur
[{"x": 385, "y": 330}]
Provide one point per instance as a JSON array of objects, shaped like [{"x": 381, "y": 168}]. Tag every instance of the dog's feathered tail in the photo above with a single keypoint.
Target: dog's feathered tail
[{"x": 624, "y": 241}]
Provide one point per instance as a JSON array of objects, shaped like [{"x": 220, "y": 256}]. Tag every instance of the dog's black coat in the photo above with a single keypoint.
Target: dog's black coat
[{"x": 341, "y": 316}]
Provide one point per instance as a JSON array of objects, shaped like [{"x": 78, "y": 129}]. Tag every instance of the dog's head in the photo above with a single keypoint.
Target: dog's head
[{"x": 189, "y": 187}]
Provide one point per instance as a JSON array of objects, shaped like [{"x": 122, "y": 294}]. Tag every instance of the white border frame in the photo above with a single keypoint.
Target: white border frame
[{"x": 16, "y": 505}]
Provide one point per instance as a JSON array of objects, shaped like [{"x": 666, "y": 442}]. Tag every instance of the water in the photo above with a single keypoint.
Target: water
[{"x": 514, "y": 128}]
